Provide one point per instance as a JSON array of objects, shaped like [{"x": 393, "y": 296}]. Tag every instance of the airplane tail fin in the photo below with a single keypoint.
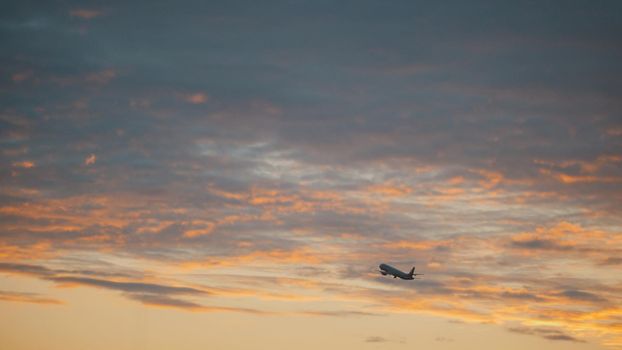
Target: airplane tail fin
[{"x": 412, "y": 272}]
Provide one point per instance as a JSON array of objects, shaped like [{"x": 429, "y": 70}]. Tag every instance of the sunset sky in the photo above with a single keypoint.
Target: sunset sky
[{"x": 230, "y": 174}]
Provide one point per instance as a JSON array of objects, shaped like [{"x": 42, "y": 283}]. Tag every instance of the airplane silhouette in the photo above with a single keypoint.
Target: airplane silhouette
[{"x": 390, "y": 270}]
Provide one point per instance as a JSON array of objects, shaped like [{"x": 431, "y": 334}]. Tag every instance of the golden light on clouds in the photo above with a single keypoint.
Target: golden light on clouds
[
  {"x": 171, "y": 173},
  {"x": 26, "y": 164}
]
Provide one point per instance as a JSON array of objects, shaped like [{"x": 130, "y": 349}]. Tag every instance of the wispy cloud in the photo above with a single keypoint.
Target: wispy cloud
[
  {"x": 26, "y": 269},
  {"x": 151, "y": 294},
  {"x": 444, "y": 339},
  {"x": 129, "y": 287},
  {"x": 22, "y": 297},
  {"x": 339, "y": 313},
  {"x": 26, "y": 164},
  {"x": 547, "y": 333},
  {"x": 220, "y": 174},
  {"x": 375, "y": 339},
  {"x": 86, "y": 14},
  {"x": 196, "y": 98}
]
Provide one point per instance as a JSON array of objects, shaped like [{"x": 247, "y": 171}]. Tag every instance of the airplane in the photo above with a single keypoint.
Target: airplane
[{"x": 390, "y": 270}]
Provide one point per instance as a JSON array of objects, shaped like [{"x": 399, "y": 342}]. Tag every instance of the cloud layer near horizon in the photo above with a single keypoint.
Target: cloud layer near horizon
[{"x": 293, "y": 147}]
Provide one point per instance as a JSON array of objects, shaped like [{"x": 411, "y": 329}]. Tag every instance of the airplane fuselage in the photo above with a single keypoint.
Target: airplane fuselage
[{"x": 390, "y": 270}]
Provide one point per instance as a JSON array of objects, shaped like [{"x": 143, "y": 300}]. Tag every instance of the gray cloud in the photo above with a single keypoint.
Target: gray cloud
[
  {"x": 131, "y": 287},
  {"x": 42, "y": 271},
  {"x": 163, "y": 300},
  {"x": 612, "y": 261},
  {"x": 547, "y": 333},
  {"x": 490, "y": 119},
  {"x": 27, "y": 269},
  {"x": 380, "y": 340},
  {"x": 522, "y": 296},
  {"x": 151, "y": 294},
  {"x": 375, "y": 339},
  {"x": 544, "y": 244},
  {"x": 147, "y": 293},
  {"x": 581, "y": 295},
  {"x": 166, "y": 301}
]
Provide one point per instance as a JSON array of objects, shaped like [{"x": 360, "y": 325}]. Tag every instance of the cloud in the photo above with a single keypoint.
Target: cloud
[
  {"x": 581, "y": 295},
  {"x": 86, "y": 14},
  {"x": 546, "y": 333},
  {"x": 26, "y": 164},
  {"x": 148, "y": 293},
  {"x": 196, "y": 98},
  {"x": 521, "y": 295},
  {"x": 27, "y": 298},
  {"x": 612, "y": 261},
  {"x": 497, "y": 174},
  {"x": 90, "y": 159},
  {"x": 169, "y": 302},
  {"x": 26, "y": 269},
  {"x": 339, "y": 313},
  {"x": 543, "y": 244},
  {"x": 567, "y": 238},
  {"x": 130, "y": 287},
  {"x": 163, "y": 301},
  {"x": 22, "y": 76},
  {"x": 101, "y": 77},
  {"x": 381, "y": 340},
  {"x": 375, "y": 339},
  {"x": 444, "y": 339}
]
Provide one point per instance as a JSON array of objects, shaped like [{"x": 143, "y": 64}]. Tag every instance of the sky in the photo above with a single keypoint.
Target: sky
[{"x": 231, "y": 174}]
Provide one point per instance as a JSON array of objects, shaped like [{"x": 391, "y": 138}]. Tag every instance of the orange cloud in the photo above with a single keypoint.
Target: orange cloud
[
  {"x": 569, "y": 179},
  {"x": 260, "y": 196},
  {"x": 205, "y": 230},
  {"x": 278, "y": 202},
  {"x": 38, "y": 250},
  {"x": 503, "y": 306},
  {"x": 491, "y": 178},
  {"x": 457, "y": 180},
  {"x": 588, "y": 169},
  {"x": 196, "y": 98},
  {"x": 417, "y": 245},
  {"x": 390, "y": 190},
  {"x": 566, "y": 236},
  {"x": 90, "y": 159},
  {"x": 281, "y": 256},
  {"x": 24, "y": 164},
  {"x": 27, "y": 298}
]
